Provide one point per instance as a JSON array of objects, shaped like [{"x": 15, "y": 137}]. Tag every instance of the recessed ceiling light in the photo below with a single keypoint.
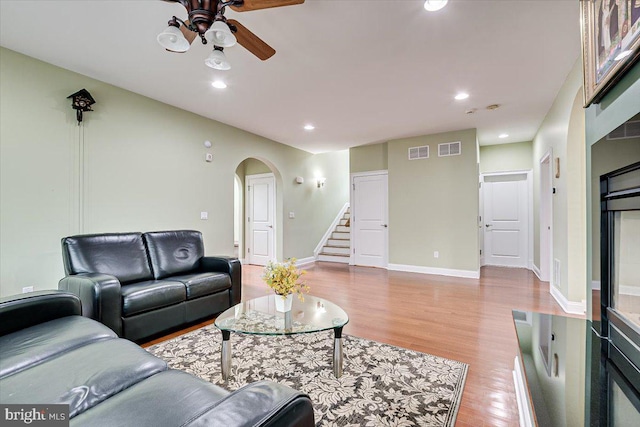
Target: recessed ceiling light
[
  {"x": 219, "y": 84},
  {"x": 309, "y": 127},
  {"x": 503, "y": 135},
  {"x": 622, "y": 55},
  {"x": 461, "y": 96},
  {"x": 433, "y": 5}
]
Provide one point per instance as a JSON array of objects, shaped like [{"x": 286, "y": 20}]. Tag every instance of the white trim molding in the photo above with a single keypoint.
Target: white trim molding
[
  {"x": 305, "y": 261},
  {"x": 536, "y": 271},
  {"x": 468, "y": 274},
  {"x": 571, "y": 307},
  {"x": 630, "y": 290},
  {"x": 525, "y": 412}
]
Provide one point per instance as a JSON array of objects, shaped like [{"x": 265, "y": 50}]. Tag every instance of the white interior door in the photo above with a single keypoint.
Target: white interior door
[
  {"x": 506, "y": 220},
  {"x": 261, "y": 214},
  {"x": 370, "y": 220}
]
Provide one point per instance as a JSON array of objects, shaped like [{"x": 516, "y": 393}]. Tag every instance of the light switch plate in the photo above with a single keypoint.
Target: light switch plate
[{"x": 204, "y": 215}]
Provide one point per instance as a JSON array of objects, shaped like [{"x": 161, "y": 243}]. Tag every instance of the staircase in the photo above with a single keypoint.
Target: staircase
[{"x": 338, "y": 246}]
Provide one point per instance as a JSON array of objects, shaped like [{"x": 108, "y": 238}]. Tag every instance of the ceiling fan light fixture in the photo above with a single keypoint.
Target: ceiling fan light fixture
[
  {"x": 217, "y": 60},
  {"x": 220, "y": 35},
  {"x": 433, "y": 5},
  {"x": 172, "y": 39}
]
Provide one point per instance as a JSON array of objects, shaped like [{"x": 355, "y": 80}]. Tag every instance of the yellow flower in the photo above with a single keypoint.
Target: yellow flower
[{"x": 284, "y": 277}]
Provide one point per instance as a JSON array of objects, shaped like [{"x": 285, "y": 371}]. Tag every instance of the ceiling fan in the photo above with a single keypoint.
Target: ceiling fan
[{"x": 206, "y": 19}]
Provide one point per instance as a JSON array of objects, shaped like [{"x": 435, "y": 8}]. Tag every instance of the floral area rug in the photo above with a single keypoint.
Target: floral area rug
[{"x": 381, "y": 385}]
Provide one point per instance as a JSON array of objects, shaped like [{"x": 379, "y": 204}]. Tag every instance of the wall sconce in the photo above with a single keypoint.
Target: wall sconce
[{"x": 321, "y": 182}]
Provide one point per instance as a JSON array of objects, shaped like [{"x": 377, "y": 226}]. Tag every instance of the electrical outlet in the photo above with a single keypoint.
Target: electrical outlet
[
  {"x": 436, "y": 254},
  {"x": 204, "y": 215},
  {"x": 27, "y": 289}
]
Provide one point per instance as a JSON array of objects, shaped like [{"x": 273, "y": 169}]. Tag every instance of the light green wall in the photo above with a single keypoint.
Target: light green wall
[
  {"x": 606, "y": 156},
  {"x": 617, "y": 107},
  {"x": 563, "y": 130},
  {"x": 367, "y": 158},
  {"x": 142, "y": 169},
  {"x": 433, "y": 204},
  {"x": 506, "y": 157},
  {"x": 255, "y": 167}
]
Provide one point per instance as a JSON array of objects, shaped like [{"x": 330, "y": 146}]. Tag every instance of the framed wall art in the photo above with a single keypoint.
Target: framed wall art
[{"x": 610, "y": 43}]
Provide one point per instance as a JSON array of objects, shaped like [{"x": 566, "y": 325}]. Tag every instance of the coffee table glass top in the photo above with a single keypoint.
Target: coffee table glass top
[{"x": 259, "y": 316}]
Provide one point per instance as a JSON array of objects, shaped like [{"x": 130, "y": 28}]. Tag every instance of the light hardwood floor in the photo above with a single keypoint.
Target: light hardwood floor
[{"x": 463, "y": 319}]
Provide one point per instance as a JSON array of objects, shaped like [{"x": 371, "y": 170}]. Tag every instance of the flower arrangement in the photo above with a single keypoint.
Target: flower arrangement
[{"x": 284, "y": 277}]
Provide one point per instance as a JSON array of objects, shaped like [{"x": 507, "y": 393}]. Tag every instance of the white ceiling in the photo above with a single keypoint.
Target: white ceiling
[{"x": 361, "y": 71}]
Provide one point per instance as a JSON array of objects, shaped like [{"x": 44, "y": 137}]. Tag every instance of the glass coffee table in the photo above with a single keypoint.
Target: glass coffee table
[{"x": 259, "y": 316}]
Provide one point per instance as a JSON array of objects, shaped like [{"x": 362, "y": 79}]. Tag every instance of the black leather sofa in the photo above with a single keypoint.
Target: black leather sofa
[
  {"x": 140, "y": 284},
  {"x": 50, "y": 354}
]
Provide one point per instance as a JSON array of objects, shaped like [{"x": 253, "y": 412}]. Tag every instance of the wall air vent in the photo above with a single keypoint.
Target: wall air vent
[
  {"x": 449, "y": 149},
  {"x": 627, "y": 130},
  {"x": 416, "y": 153}
]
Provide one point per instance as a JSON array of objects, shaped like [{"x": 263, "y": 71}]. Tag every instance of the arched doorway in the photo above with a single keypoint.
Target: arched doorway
[{"x": 258, "y": 215}]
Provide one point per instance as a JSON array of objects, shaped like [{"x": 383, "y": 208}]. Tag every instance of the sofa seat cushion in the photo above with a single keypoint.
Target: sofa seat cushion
[
  {"x": 151, "y": 295},
  {"x": 82, "y": 378},
  {"x": 139, "y": 405},
  {"x": 32, "y": 346},
  {"x": 202, "y": 284}
]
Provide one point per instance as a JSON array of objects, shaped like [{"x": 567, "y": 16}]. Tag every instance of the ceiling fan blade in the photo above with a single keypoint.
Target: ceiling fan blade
[
  {"x": 251, "y": 42},
  {"x": 264, "y": 4}
]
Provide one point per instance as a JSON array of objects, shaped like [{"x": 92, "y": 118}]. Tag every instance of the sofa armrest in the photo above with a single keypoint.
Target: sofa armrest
[
  {"x": 100, "y": 297},
  {"x": 228, "y": 265},
  {"x": 262, "y": 404},
  {"x": 25, "y": 310}
]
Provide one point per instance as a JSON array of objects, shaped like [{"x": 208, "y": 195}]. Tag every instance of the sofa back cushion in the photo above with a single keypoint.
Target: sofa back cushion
[
  {"x": 122, "y": 255},
  {"x": 174, "y": 252}
]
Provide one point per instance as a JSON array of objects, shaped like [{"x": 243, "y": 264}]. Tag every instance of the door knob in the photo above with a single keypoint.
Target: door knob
[
  {"x": 385, "y": 225},
  {"x": 270, "y": 226},
  {"x": 488, "y": 225}
]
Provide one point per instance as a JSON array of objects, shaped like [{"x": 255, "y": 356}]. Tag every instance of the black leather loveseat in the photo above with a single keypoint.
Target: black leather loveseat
[
  {"x": 49, "y": 354},
  {"x": 140, "y": 284}
]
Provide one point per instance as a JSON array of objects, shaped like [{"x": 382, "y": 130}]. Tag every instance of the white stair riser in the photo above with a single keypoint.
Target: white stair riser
[
  {"x": 343, "y": 222},
  {"x": 339, "y": 242},
  {"x": 336, "y": 250},
  {"x": 340, "y": 236},
  {"x": 328, "y": 258},
  {"x": 343, "y": 229}
]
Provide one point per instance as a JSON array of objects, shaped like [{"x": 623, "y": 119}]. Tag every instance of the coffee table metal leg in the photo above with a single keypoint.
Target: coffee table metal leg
[
  {"x": 337, "y": 352},
  {"x": 226, "y": 355}
]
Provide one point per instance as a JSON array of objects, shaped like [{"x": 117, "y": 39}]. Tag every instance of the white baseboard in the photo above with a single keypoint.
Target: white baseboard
[
  {"x": 627, "y": 290},
  {"x": 572, "y": 307},
  {"x": 524, "y": 409},
  {"x": 536, "y": 271},
  {"x": 469, "y": 274},
  {"x": 630, "y": 290},
  {"x": 305, "y": 261}
]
